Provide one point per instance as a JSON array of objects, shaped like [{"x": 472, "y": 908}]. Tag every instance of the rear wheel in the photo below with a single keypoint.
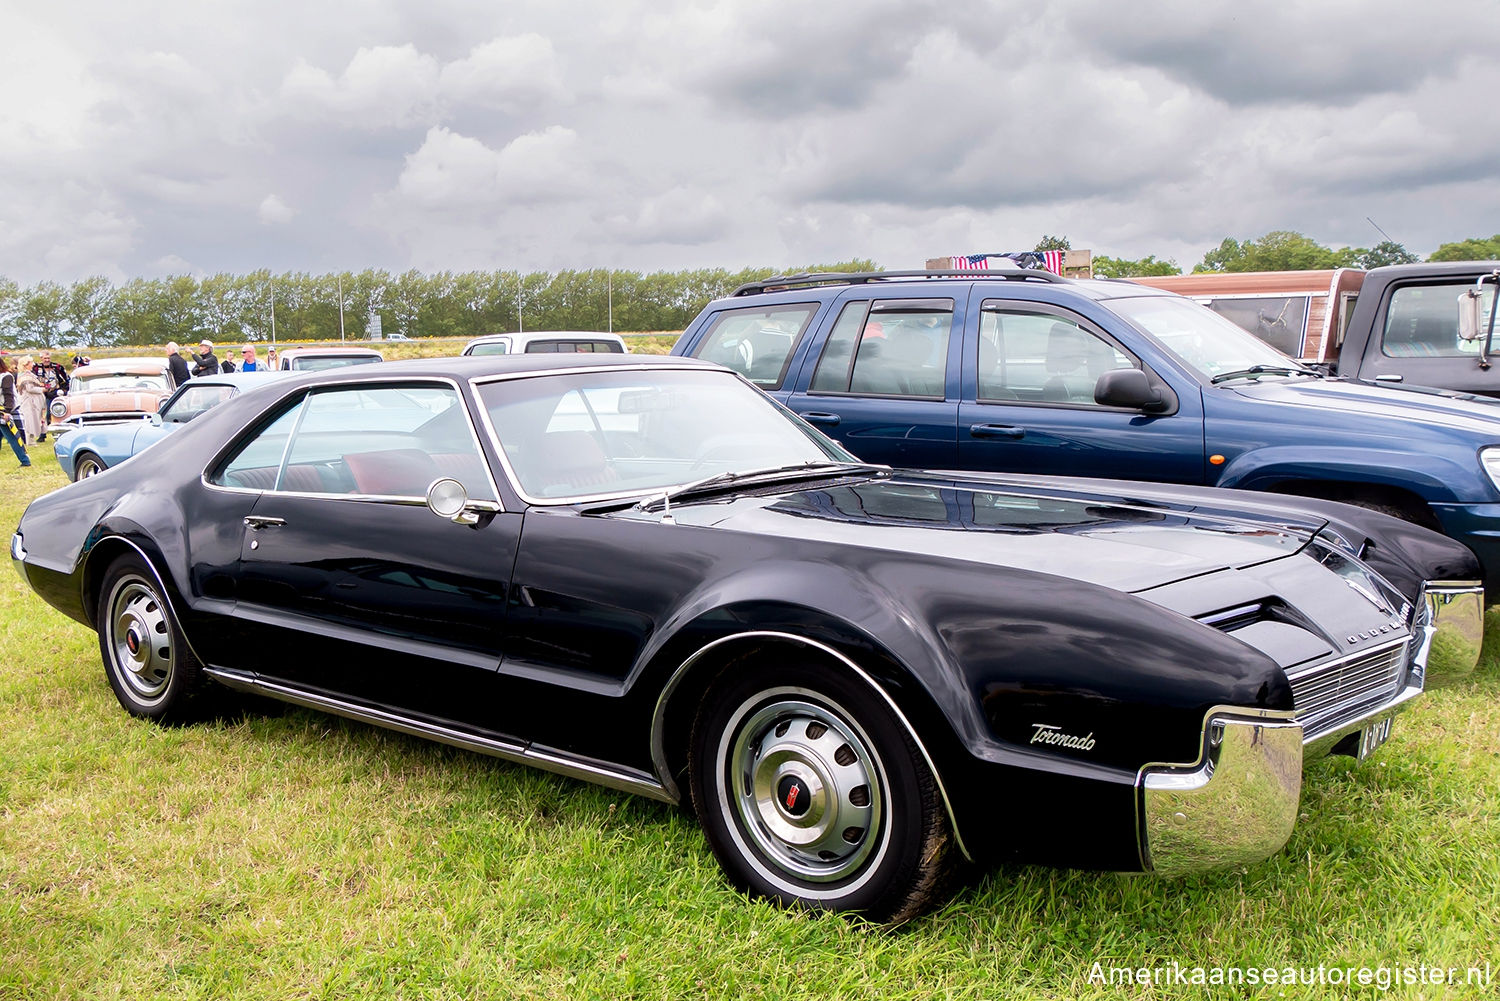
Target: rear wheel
[
  {"x": 812, "y": 794},
  {"x": 152, "y": 671},
  {"x": 87, "y": 464}
]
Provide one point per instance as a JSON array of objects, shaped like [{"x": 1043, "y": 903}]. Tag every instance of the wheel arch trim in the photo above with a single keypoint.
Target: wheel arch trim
[
  {"x": 92, "y": 605},
  {"x": 658, "y": 717}
]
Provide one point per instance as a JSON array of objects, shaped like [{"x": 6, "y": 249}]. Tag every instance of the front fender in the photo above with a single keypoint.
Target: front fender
[{"x": 1435, "y": 478}]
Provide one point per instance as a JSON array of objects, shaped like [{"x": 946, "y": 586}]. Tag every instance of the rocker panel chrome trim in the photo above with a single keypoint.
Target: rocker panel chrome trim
[{"x": 546, "y": 758}]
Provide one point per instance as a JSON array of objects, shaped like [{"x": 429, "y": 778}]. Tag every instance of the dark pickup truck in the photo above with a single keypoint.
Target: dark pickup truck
[
  {"x": 1424, "y": 325},
  {"x": 1025, "y": 372}
]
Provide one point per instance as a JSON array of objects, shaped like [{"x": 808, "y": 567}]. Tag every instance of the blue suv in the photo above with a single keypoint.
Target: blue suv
[{"x": 1023, "y": 371}]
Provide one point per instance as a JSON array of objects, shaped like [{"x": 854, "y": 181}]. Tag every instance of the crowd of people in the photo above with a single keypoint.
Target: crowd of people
[{"x": 28, "y": 386}]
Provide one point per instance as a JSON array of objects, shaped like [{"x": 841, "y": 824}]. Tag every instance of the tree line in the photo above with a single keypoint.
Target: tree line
[
  {"x": 302, "y": 307},
  {"x": 225, "y": 308}
]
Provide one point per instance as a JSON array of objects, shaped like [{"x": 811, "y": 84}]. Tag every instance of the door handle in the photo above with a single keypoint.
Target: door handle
[
  {"x": 996, "y": 431},
  {"x": 255, "y": 522},
  {"x": 814, "y": 417},
  {"x": 1388, "y": 378}
]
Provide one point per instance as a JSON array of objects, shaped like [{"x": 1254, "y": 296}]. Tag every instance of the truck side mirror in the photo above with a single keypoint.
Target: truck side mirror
[
  {"x": 1130, "y": 388},
  {"x": 1470, "y": 317}
]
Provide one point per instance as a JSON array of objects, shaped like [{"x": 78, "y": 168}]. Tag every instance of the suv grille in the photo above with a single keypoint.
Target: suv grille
[{"x": 1329, "y": 693}]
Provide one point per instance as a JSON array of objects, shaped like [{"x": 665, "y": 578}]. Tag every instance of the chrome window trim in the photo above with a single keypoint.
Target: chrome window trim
[
  {"x": 407, "y": 499},
  {"x": 658, "y": 716},
  {"x": 549, "y": 759},
  {"x": 510, "y": 474}
]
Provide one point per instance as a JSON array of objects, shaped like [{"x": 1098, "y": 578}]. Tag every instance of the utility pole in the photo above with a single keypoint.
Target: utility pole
[
  {"x": 609, "y": 285},
  {"x": 520, "y": 305},
  {"x": 341, "y": 309}
]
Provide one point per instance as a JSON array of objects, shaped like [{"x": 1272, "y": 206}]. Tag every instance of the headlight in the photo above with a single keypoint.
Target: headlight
[
  {"x": 1489, "y": 458},
  {"x": 58, "y": 409}
]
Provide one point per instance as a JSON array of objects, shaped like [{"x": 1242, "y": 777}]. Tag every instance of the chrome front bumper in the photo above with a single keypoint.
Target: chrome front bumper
[
  {"x": 1235, "y": 805},
  {"x": 1455, "y": 618}
]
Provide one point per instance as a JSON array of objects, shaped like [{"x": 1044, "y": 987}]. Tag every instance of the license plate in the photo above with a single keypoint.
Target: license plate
[{"x": 1373, "y": 736}]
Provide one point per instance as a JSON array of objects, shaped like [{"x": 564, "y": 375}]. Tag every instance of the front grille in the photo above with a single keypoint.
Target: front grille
[{"x": 1330, "y": 693}]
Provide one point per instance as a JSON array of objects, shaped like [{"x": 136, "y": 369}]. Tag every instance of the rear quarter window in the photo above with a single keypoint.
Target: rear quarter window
[{"x": 757, "y": 342}]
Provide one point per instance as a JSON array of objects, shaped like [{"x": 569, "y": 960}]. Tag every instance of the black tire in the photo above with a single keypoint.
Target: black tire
[
  {"x": 149, "y": 665},
  {"x": 872, "y": 835},
  {"x": 86, "y": 464}
]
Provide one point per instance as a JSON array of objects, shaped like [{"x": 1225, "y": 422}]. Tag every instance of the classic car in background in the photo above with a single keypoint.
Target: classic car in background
[
  {"x": 322, "y": 359},
  {"x": 91, "y": 450},
  {"x": 110, "y": 389},
  {"x": 645, "y": 573}
]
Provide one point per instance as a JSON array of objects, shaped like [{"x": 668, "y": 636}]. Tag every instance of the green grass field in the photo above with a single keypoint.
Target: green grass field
[{"x": 302, "y": 856}]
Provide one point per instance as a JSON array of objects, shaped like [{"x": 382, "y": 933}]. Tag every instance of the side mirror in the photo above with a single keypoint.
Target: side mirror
[
  {"x": 154, "y": 420},
  {"x": 448, "y": 499},
  {"x": 1470, "y": 318},
  {"x": 1129, "y": 388}
]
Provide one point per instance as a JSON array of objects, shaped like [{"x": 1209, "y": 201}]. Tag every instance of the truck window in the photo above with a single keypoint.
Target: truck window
[
  {"x": 1041, "y": 358},
  {"x": 1279, "y": 320},
  {"x": 1422, "y": 322},
  {"x": 758, "y": 342}
]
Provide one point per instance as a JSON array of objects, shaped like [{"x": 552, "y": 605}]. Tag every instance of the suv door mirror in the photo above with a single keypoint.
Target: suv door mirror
[
  {"x": 1130, "y": 388},
  {"x": 1470, "y": 302}
]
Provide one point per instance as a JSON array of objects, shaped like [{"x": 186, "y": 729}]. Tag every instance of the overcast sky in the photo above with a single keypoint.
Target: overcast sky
[{"x": 198, "y": 137}]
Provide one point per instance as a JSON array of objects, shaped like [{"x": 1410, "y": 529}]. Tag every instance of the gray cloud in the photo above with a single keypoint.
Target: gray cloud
[{"x": 463, "y": 134}]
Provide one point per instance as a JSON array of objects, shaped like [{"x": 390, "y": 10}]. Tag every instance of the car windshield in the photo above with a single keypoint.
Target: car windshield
[
  {"x": 1201, "y": 338},
  {"x": 597, "y": 434},
  {"x": 109, "y": 381}
]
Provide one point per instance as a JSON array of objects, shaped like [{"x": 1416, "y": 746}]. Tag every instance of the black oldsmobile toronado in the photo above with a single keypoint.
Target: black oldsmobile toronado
[{"x": 647, "y": 574}]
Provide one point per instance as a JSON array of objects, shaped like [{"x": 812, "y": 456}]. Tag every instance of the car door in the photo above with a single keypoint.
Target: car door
[
  {"x": 885, "y": 382},
  {"x": 1028, "y": 407},
  {"x": 348, "y": 585},
  {"x": 1418, "y": 344}
]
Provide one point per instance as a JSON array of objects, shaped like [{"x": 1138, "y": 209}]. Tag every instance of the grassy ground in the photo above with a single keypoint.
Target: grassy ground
[{"x": 300, "y": 856}]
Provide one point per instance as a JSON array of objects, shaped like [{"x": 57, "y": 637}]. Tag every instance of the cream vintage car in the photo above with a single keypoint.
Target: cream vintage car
[{"x": 111, "y": 389}]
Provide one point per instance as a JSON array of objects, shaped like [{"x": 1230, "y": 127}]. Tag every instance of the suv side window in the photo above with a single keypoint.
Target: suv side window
[
  {"x": 901, "y": 349},
  {"x": 757, "y": 342},
  {"x": 193, "y": 401},
  {"x": 1422, "y": 322},
  {"x": 1037, "y": 357}
]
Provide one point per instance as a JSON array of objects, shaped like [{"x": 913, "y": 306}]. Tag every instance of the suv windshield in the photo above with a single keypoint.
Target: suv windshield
[{"x": 1202, "y": 339}]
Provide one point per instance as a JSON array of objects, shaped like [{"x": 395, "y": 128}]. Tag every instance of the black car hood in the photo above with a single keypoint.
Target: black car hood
[{"x": 1105, "y": 540}]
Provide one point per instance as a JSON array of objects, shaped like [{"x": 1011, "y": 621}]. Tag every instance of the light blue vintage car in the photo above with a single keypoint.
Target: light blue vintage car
[{"x": 98, "y": 447}]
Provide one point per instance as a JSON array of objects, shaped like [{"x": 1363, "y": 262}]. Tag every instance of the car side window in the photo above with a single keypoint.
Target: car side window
[
  {"x": 901, "y": 350},
  {"x": 758, "y": 343},
  {"x": 193, "y": 401},
  {"x": 368, "y": 441},
  {"x": 1422, "y": 322},
  {"x": 1035, "y": 357}
]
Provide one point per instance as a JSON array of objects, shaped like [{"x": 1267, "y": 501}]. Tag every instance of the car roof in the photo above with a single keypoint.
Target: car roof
[
  {"x": 542, "y": 335},
  {"x": 822, "y": 286},
  {"x": 127, "y": 366},
  {"x": 236, "y": 378},
  {"x": 464, "y": 367},
  {"x": 299, "y": 352}
]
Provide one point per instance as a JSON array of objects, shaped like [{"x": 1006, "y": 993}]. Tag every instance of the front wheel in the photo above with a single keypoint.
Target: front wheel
[
  {"x": 812, "y": 794},
  {"x": 152, "y": 671},
  {"x": 87, "y": 464}
]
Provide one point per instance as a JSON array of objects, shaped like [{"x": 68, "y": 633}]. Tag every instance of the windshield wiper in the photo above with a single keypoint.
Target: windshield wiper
[
  {"x": 736, "y": 477},
  {"x": 1245, "y": 373}
]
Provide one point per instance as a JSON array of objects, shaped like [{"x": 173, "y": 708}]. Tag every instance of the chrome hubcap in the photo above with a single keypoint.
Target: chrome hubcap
[
  {"x": 140, "y": 639},
  {"x": 804, "y": 789},
  {"x": 87, "y": 468}
]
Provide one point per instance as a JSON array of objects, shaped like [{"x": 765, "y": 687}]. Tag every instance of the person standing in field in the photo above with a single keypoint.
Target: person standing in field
[
  {"x": 54, "y": 380},
  {"x": 176, "y": 368},
  {"x": 248, "y": 361},
  {"x": 205, "y": 362},
  {"x": 8, "y": 429},
  {"x": 33, "y": 400}
]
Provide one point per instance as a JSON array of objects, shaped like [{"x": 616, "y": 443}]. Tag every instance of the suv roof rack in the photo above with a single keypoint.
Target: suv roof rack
[{"x": 864, "y": 277}]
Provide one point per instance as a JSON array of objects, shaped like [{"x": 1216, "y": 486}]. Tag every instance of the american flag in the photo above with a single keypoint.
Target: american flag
[{"x": 1051, "y": 260}]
